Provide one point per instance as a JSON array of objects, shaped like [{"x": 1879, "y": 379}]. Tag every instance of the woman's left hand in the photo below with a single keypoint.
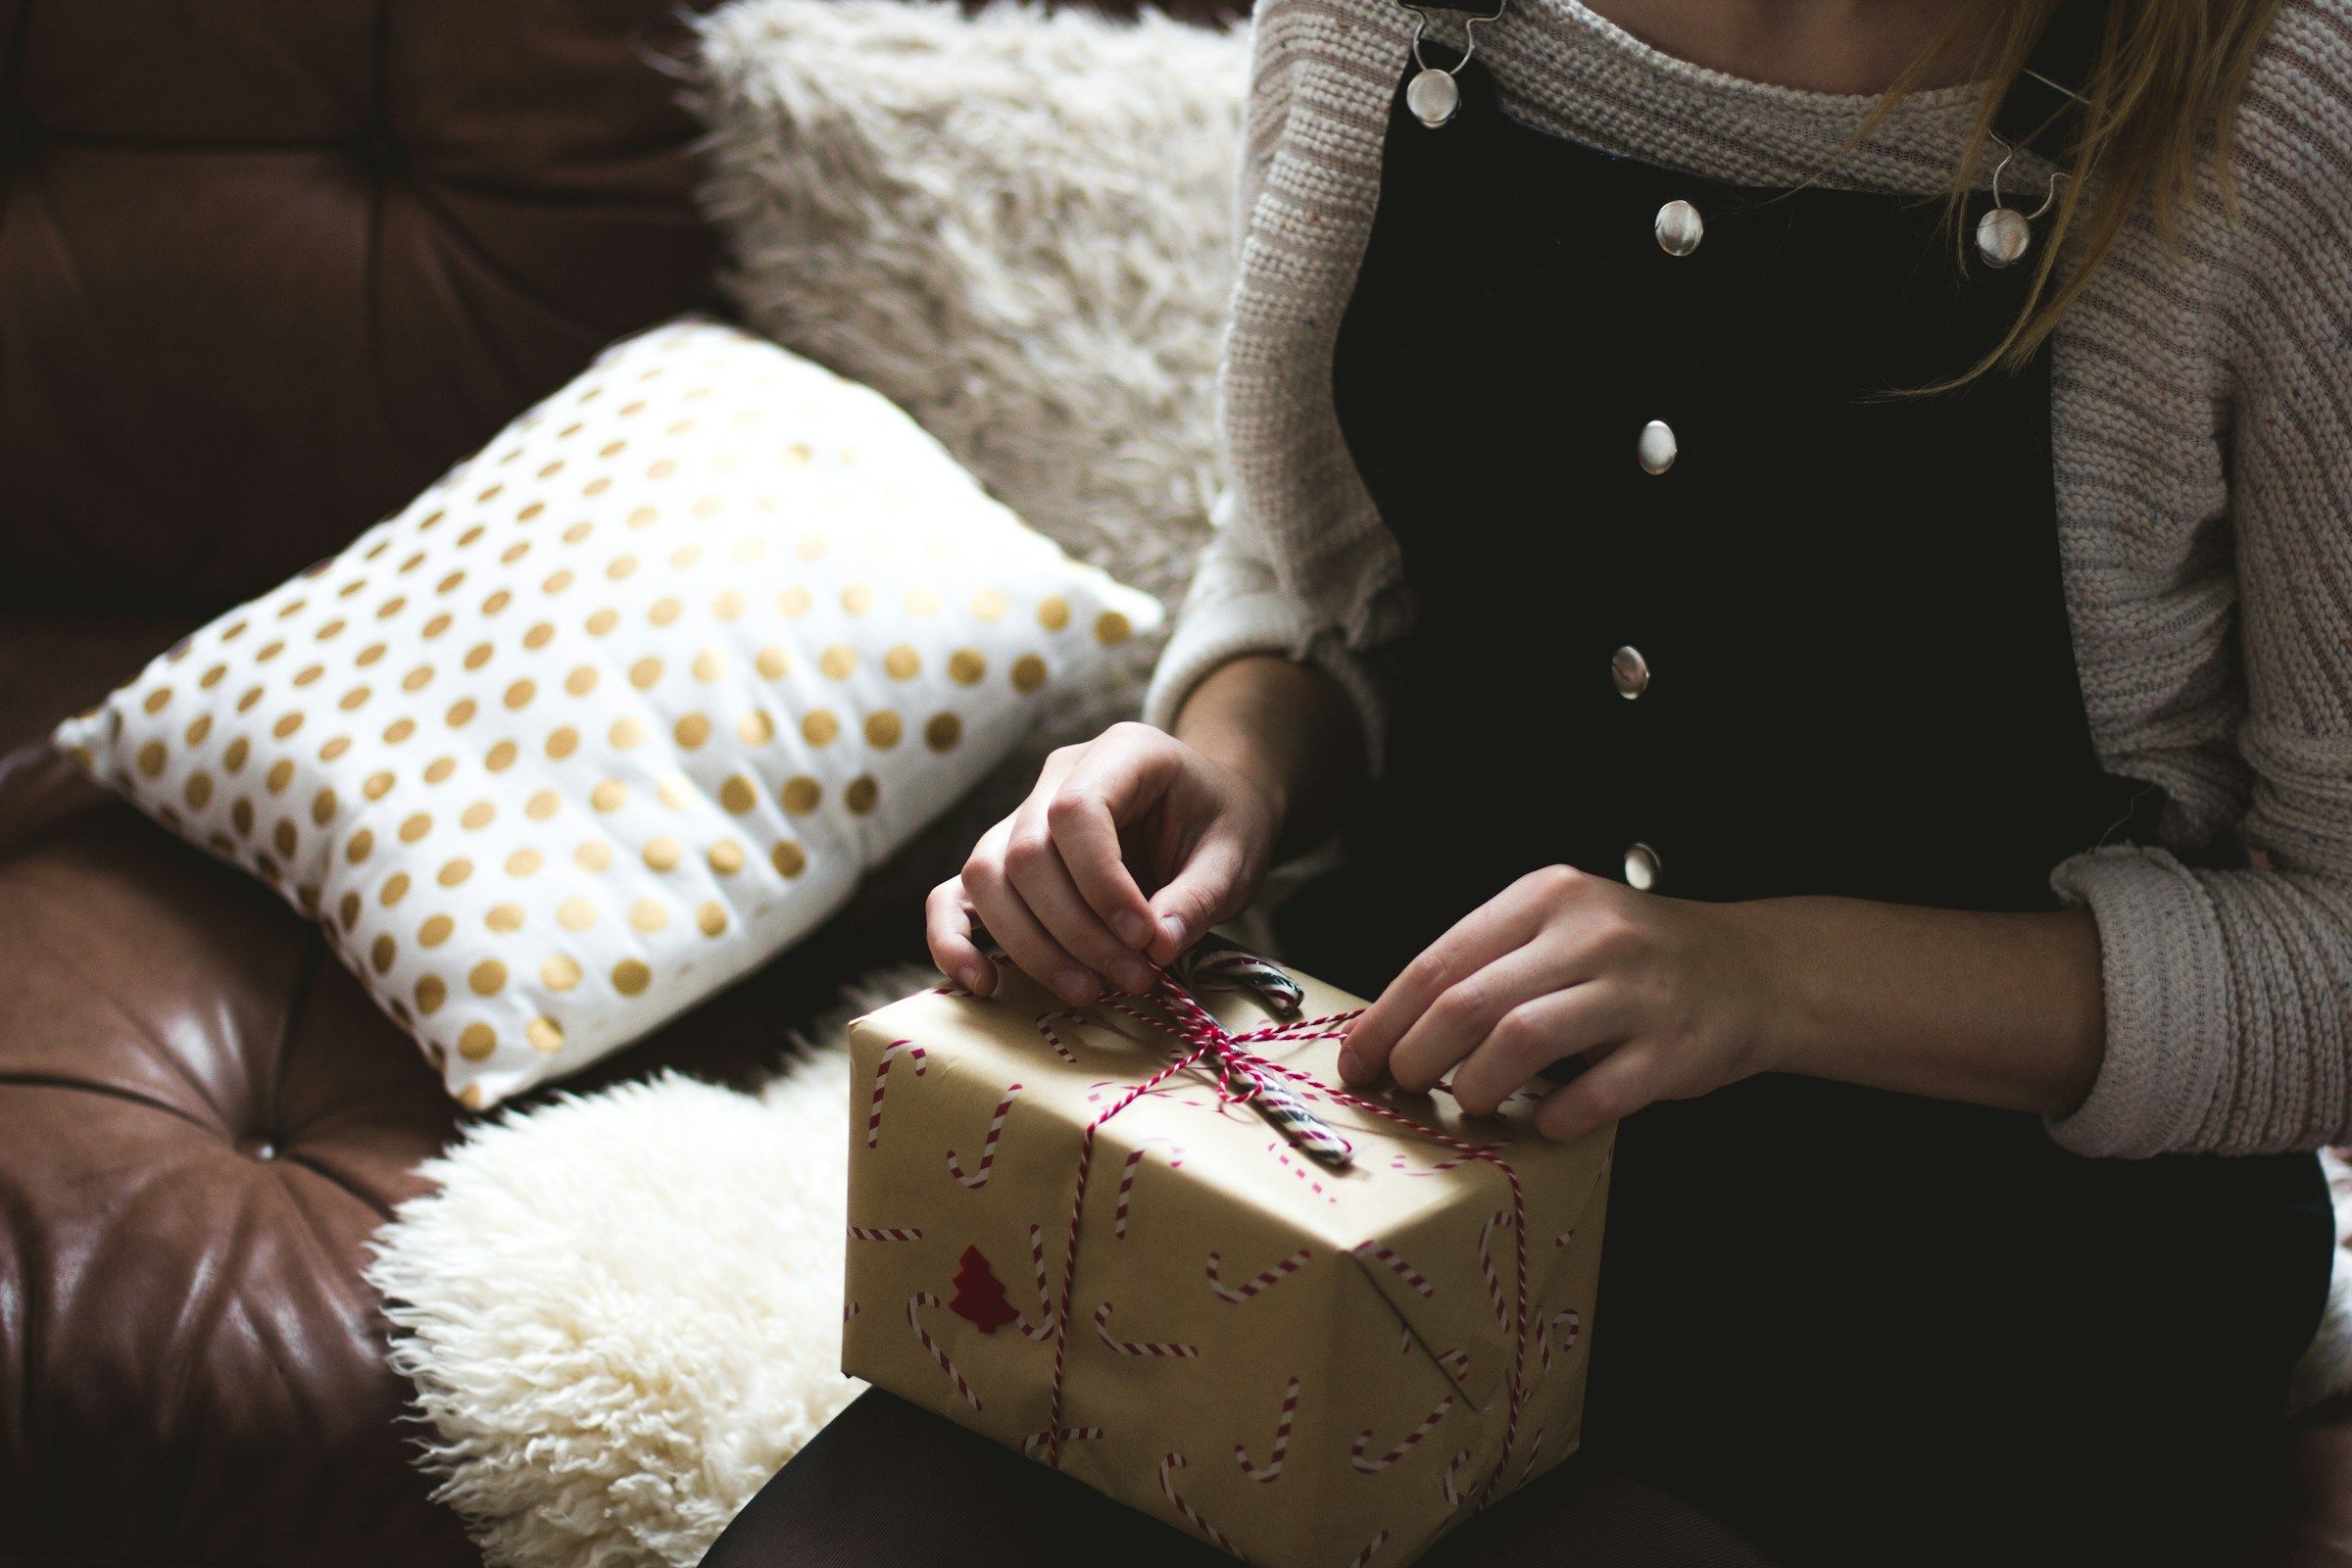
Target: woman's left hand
[{"x": 1662, "y": 998}]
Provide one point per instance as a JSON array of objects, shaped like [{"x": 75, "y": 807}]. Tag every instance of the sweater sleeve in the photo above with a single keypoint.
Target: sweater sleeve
[
  {"x": 1300, "y": 563},
  {"x": 2228, "y": 993}
]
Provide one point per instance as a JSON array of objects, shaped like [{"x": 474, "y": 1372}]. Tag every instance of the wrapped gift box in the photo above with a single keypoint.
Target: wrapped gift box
[{"x": 1301, "y": 1363}]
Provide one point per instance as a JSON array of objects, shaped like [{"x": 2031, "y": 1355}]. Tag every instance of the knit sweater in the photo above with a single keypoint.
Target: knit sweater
[{"x": 2202, "y": 435}]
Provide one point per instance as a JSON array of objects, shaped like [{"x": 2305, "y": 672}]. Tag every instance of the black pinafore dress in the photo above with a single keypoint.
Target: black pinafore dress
[{"x": 1700, "y": 605}]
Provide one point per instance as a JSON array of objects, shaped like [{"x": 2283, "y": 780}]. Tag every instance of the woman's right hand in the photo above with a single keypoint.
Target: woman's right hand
[{"x": 1062, "y": 883}]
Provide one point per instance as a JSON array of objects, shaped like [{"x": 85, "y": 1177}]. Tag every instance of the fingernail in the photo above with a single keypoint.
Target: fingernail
[
  {"x": 1349, "y": 1062},
  {"x": 1133, "y": 928},
  {"x": 1173, "y": 926},
  {"x": 975, "y": 979},
  {"x": 1075, "y": 985},
  {"x": 1135, "y": 978}
]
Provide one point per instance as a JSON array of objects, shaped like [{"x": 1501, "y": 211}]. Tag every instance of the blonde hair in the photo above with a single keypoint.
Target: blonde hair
[{"x": 2162, "y": 95}]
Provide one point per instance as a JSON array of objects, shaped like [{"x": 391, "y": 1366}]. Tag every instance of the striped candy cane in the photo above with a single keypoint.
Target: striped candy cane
[
  {"x": 850, "y": 1311},
  {"x": 1138, "y": 1347},
  {"x": 1380, "y": 1254},
  {"x": 1543, "y": 1335},
  {"x": 1453, "y": 1467},
  {"x": 988, "y": 1144},
  {"x": 1248, "y": 1288},
  {"x": 1045, "y": 1026},
  {"x": 1282, "y": 1439},
  {"x": 1036, "y": 1440},
  {"x": 886, "y": 1233},
  {"x": 1379, "y": 1538},
  {"x": 1118, "y": 1215},
  {"x": 1534, "y": 1451},
  {"x": 1043, "y": 1328},
  {"x": 890, "y": 1053},
  {"x": 1455, "y": 1364},
  {"x": 1429, "y": 1424},
  {"x": 1169, "y": 1465},
  {"x": 1299, "y": 1169},
  {"x": 915, "y": 1304},
  {"x": 1485, "y": 1266}
]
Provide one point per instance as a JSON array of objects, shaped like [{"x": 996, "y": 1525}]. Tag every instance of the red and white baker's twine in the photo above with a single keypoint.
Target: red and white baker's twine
[
  {"x": 1249, "y": 1288},
  {"x": 1238, "y": 1071},
  {"x": 890, "y": 1053},
  {"x": 1282, "y": 1439},
  {"x": 1379, "y": 1538},
  {"x": 914, "y": 1305},
  {"x": 988, "y": 1144}
]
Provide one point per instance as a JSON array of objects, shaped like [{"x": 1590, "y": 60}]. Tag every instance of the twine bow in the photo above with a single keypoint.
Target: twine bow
[{"x": 1244, "y": 1077}]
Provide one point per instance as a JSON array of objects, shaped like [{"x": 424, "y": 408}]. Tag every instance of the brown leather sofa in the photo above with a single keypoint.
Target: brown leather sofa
[{"x": 266, "y": 267}]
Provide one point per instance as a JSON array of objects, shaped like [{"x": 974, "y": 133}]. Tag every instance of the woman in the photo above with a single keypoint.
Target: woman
[{"x": 1858, "y": 687}]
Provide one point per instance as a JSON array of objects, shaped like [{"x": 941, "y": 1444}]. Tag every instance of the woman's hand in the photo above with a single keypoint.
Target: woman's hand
[
  {"x": 1663, "y": 999},
  {"x": 1057, "y": 883}
]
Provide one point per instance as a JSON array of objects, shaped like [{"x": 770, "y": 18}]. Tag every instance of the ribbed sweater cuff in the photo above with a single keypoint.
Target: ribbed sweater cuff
[
  {"x": 1210, "y": 632},
  {"x": 2170, "y": 1046}
]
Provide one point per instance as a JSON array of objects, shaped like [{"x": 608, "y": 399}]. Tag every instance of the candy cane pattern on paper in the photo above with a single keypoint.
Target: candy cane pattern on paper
[
  {"x": 1249, "y": 1288},
  {"x": 1138, "y": 1347},
  {"x": 1429, "y": 1424},
  {"x": 1397, "y": 1162},
  {"x": 1455, "y": 1364},
  {"x": 1043, "y": 1328},
  {"x": 1045, "y": 1026},
  {"x": 915, "y": 1304},
  {"x": 886, "y": 1233},
  {"x": 1485, "y": 1266},
  {"x": 1297, "y": 1168},
  {"x": 988, "y": 1144},
  {"x": 1282, "y": 1439},
  {"x": 1036, "y": 1440},
  {"x": 1543, "y": 1335},
  {"x": 1169, "y": 1465},
  {"x": 1453, "y": 1467},
  {"x": 890, "y": 1053},
  {"x": 850, "y": 1311},
  {"x": 1118, "y": 1214},
  {"x": 1564, "y": 1238},
  {"x": 1379, "y": 1253},
  {"x": 1379, "y": 1538}
]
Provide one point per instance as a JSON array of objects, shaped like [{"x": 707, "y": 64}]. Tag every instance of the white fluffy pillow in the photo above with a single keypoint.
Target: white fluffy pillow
[
  {"x": 1018, "y": 225},
  {"x": 621, "y": 707}
]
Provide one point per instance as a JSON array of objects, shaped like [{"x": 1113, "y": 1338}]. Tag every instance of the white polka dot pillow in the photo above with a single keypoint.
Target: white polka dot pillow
[{"x": 621, "y": 707}]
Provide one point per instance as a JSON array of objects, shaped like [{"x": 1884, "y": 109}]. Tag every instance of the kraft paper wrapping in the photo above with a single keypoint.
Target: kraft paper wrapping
[{"x": 1308, "y": 1368}]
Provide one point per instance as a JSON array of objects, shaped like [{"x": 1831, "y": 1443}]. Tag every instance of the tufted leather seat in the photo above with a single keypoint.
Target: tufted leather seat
[{"x": 266, "y": 267}]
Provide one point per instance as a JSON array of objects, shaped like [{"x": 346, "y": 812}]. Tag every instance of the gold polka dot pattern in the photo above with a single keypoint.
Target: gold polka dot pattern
[{"x": 620, "y": 707}]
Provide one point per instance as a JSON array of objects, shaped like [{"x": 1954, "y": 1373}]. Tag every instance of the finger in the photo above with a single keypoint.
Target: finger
[
  {"x": 1609, "y": 1091},
  {"x": 1201, "y": 893},
  {"x": 1585, "y": 1017},
  {"x": 1487, "y": 932},
  {"x": 948, "y": 930},
  {"x": 1033, "y": 864},
  {"x": 1466, "y": 1012},
  {"x": 1112, "y": 784},
  {"x": 998, "y": 906}
]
